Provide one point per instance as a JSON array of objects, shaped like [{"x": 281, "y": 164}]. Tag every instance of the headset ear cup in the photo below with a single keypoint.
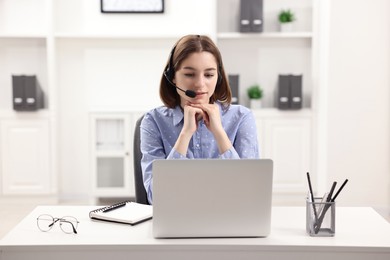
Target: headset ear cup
[
  {"x": 219, "y": 81},
  {"x": 170, "y": 71}
]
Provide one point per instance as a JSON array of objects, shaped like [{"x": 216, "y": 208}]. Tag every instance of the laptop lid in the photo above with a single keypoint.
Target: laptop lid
[{"x": 212, "y": 198}]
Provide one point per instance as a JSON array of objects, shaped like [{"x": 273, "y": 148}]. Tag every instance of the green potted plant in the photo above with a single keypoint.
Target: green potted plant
[
  {"x": 286, "y": 18},
  {"x": 255, "y": 94}
]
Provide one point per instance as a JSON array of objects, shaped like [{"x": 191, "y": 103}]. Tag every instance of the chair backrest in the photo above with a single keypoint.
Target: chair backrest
[{"x": 140, "y": 192}]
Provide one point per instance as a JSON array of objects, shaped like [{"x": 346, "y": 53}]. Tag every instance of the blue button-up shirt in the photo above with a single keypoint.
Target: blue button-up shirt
[{"x": 161, "y": 127}]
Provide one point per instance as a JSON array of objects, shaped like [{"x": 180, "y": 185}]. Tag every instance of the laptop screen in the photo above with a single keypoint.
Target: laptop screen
[{"x": 212, "y": 197}]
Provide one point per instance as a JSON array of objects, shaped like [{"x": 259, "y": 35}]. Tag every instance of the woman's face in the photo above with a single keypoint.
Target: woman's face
[{"x": 199, "y": 73}]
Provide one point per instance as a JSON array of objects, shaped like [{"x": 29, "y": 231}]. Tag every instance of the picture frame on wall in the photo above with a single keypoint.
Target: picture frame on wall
[{"x": 132, "y": 6}]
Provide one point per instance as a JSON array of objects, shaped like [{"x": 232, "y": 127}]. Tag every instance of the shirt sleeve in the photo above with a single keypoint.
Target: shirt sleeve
[
  {"x": 245, "y": 145},
  {"x": 175, "y": 155},
  {"x": 152, "y": 149}
]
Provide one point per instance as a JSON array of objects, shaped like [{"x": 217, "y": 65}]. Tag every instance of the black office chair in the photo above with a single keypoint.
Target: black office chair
[{"x": 140, "y": 192}]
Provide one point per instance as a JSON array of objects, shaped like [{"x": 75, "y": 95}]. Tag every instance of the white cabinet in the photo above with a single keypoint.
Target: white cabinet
[
  {"x": 285, "y": 137},
  {"x": 112, "y": 153},
  {"x": 25, "y": 157}
]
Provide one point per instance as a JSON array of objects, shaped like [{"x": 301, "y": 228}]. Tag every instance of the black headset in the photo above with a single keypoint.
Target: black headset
[{"x": 169, "y": 73}]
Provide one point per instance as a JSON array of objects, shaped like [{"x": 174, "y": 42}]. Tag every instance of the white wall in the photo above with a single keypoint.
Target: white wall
[
  {"x": 358, "y": 100},
  {"x": 357, "y": 105},
  {"x": 85, "y": 63}
]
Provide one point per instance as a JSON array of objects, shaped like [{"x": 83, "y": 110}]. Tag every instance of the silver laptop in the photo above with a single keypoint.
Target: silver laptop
[{"x": 212, "y": 198}]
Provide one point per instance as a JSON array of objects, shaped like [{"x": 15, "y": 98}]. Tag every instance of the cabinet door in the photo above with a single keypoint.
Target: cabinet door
[
  {"x": 287, "y": 143},
  {"x": 111, "y": 160},
  {"x": 25, "y": 157}
]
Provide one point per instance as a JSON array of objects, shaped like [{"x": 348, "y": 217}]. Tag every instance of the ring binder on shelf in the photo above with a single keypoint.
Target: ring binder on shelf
[
  {"x": 251, "y": 16},
  {"x": 27, "y": 93},
  {"x": 289, "y": 92},
  {"x": 234, "y": 87}
]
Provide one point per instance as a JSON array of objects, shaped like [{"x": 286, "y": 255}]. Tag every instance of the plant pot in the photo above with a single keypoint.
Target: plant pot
[
  {"x": 286, "y": 27},
  {"x": 255, "y": 103}
]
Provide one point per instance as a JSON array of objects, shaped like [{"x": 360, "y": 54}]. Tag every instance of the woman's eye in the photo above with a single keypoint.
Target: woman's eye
[
  {"x": 209, "y": 75},
  {"x": 189, "y": 75}
]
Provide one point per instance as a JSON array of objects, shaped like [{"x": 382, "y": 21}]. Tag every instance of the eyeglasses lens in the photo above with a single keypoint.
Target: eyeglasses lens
[
  {"x": 68, "y": 224},
  {"x": 45, "y": 222}
]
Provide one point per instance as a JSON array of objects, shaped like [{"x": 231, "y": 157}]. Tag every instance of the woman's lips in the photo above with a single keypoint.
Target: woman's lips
[{"x": 201, "y": 93}]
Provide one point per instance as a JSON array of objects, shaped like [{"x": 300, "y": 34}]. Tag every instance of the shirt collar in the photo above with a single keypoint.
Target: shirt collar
[{"x": 178, "y": 115}]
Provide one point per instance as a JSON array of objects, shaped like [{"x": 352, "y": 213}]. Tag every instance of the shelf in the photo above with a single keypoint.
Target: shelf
[
  {"x": 111, "y": 153},
  {"x": 114, "y": 36},
  {"x": 222, "y": 35},
  {"x": 12, "y": 114},
  {"x": 23, "y": 35},
  {"x": 275, "y": 112},
  {"x": 266, "y": 35}
]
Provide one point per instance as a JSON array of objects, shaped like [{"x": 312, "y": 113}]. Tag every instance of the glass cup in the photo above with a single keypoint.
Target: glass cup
[{"x": 320, "y": 217}]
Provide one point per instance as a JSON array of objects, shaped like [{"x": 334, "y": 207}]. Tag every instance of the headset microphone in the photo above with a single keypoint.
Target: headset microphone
[{"x": 189, "y": 93}]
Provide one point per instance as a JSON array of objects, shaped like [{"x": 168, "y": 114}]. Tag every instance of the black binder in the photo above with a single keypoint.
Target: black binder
[
  {"x": 284, "y": 92},
  {"x": 257, "y": 16},
  {"x": 251, "y": 16},
  {"x": 18, "y": 92},
  {"x": 27, "y": 93},
  {"x": 234, "y": 87},
  {"x": 296, "y": 91},
  {"x": 245, "y": 15},
  {"x": 290, "y": 92}
]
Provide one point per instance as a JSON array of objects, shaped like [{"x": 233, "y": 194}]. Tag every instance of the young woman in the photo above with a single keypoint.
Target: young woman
[{"x": 197, "y": 119}]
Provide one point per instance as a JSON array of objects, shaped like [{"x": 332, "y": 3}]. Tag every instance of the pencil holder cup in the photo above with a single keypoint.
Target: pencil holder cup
[{"x": 320, "y": 218}]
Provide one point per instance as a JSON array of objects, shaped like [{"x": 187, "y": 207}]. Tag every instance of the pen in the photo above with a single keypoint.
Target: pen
[
  {"x": 114, "y": 207},
  {"x": 312, "y": 197},
  {"x": 337, "y": 193},
  {"x": 327, "y": 206},
  {"x": 331, "y": 191}
]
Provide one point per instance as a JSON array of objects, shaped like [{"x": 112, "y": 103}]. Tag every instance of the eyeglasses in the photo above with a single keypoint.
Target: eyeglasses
[{"x": 68, "y": 224}]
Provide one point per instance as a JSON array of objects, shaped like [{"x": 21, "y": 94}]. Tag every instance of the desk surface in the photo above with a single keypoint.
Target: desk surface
[{"x": 360, "y": 233}]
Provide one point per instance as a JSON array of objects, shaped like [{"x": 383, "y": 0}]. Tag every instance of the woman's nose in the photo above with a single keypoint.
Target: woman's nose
[{"x": 200, "y": 81}]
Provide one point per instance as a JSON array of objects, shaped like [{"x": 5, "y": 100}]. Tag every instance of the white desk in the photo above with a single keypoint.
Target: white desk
[{"x": 360, "y": 234}]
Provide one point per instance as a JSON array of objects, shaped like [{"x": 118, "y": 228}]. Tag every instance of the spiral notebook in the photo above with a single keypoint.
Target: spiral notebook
[{"x": 126, "y": 212}]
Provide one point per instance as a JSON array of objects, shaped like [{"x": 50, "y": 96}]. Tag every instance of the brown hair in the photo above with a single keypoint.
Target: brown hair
[{"x": 183, "y": 48}]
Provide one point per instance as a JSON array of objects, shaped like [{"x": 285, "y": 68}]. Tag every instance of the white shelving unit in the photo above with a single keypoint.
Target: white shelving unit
[
  {"x": 87, "y": 61},
  {"x": 258, "y": 58},
  {"x": 28, "y": 139}
]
